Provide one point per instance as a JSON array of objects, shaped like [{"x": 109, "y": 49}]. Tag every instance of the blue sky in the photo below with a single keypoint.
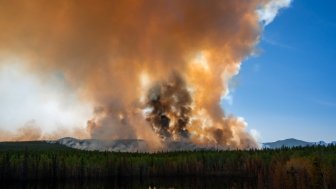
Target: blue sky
[{"x": 288, "y": 89}]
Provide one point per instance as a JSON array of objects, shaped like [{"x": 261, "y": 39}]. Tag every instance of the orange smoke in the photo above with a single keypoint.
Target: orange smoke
[
  {"x": 114, "y": 51},
  {"x": 30, "y": 131}
]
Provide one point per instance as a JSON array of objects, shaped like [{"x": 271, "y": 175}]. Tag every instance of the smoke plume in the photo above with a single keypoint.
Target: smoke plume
[{"x": 154, "y": 69}]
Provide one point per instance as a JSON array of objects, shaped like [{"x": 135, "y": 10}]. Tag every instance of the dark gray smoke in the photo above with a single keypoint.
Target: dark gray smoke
[{"x": 169, "y": 103}]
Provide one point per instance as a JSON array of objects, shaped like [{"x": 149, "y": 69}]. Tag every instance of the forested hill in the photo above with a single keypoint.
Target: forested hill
[
  {"x": 299, "y": 167},
  {"x": 42, "y": 146},
  {"x": 291, "y": 142}
]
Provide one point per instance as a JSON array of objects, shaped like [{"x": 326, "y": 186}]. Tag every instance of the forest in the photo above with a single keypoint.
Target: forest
[{"x": 299, "y": 167}]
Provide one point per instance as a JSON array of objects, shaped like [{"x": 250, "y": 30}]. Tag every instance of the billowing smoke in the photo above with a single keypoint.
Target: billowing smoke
[
  {"x": 153, "y": 69},
  {"x": 169, "y": 106}
]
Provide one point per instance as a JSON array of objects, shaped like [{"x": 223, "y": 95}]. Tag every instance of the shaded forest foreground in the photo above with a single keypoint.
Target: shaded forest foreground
[{"x": 304, "y": 167}]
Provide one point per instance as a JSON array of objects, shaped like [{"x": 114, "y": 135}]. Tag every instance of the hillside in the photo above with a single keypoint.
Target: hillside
[
  {"x": 287, "y": 143},
  {"x": 31, "y": 145}
]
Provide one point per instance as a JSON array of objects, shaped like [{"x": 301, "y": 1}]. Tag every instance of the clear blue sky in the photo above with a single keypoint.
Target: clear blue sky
[{"x": 289, "y": 89}]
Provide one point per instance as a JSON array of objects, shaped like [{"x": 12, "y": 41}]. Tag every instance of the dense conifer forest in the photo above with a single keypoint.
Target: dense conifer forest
[{"x": 301, "y": 167}]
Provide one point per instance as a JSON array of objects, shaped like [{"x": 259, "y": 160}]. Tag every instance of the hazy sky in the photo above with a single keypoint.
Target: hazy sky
[
  {"x": 26, "y": 99},
  {"x": 288, "y": 89}
]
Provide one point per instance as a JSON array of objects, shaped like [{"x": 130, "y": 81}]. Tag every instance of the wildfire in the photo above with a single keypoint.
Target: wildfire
[{"x": 153, "y": 70}]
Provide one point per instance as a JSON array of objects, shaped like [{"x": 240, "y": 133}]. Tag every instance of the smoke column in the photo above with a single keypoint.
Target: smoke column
[{"x": 153, "y": 69}]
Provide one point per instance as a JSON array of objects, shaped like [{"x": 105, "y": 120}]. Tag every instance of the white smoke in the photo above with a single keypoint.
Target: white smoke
[
  {"x": 270, "y": 10},
  {"x": 27, "y": 101}
]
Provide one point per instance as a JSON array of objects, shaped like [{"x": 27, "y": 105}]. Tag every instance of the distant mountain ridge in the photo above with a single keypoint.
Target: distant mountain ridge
[
  {"x": 292, "y": 142},
  {"x": 126, "y": 145},
  {"x": 138, "y": 145}
]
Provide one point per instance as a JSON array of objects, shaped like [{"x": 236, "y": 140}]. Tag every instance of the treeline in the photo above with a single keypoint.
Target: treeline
[{"x": 304, "y": 167}]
